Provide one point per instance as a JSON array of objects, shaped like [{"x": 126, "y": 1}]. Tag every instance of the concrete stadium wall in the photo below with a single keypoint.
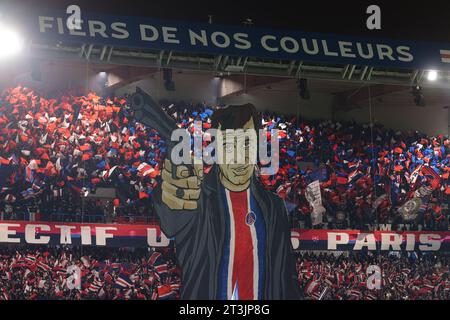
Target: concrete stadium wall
[
  {"x": 189, "y": 87},
  {"x": 286, "y": 102},
  {"x": 432, "y": 120},
  {"x": 49, "y": 77},
  {"x": 198, "y": 87}
]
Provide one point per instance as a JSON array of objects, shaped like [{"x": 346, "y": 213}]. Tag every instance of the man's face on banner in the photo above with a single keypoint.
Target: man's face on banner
[{"x": 237, "y": 175}]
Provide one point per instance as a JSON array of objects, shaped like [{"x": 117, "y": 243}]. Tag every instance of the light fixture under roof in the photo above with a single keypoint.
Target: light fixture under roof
[
  {"x": 432, "y": 75},
  {"x": 10, "y": 42}
]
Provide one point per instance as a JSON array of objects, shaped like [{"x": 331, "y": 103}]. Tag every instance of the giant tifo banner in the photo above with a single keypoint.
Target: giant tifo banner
[
  {"x": 123, "y": 31},
  {"x": 120, "y": 235}
]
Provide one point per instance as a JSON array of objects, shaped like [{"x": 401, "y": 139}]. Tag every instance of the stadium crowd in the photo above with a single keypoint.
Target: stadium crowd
[
  {"x": 110, "y": 273},
  {"x": 403, "y": 277},
  {"x": 39, "y": 273},
  {"x": 56, "y": 152}
]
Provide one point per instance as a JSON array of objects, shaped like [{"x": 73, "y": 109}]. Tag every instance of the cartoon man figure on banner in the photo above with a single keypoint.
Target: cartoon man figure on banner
[{"x": 232, "y": 236}]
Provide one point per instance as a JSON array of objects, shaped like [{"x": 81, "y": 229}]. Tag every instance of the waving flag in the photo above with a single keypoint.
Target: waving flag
[
  {"x": 29, "y": 174},
  {"x": 123, "y": 281},
  {"x": 85, "y": 261},
  {"x": 42, "y": 265},
  {"x": 355, "y": 294},
  {"x": 153, "y": 258},
  {"x": 29, "y": 193},
  {"x": 312, "y": 285},
  {"x": 415, "y": 174},
  {"x": 115, "y": 265},
  {"x": 10, "y": 198},
  {"x": 432, "y": 177},
  {"x": 175, "y": 286},
  {"x": 354, "y": 176},
  {"x": 145, "y": 169},
  {"x": 31, "y": 258},
  {"x": 165, "y": 292},
  {"x": 95, "y": 286},
  {"x": 161, "y": 267}
]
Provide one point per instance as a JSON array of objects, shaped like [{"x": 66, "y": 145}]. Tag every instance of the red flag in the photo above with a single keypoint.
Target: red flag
[
  {"x": 432, "y": 176},
  {"x": 143, "y": 195},
  {"x": 341, "y": 180},
  {"x": 86, "y": 156}
]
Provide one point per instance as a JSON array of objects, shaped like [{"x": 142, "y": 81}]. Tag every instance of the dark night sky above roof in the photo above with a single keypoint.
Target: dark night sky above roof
[{"x": 429, "y": 21}]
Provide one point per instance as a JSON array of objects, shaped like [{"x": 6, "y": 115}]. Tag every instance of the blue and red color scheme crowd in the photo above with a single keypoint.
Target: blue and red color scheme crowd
[
  {"x": 403, "y": 277},
  {"x": 39, "y": 273},
  {"x": 55, "y": 149}
]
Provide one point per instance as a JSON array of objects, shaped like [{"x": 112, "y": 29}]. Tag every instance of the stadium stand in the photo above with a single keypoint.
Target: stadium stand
[
  {"x": 82, "y": 214},
  {"x": 57, "y": 151},
  {"x": 39, "y": 273},
  {"x": 405, "y": 277}
]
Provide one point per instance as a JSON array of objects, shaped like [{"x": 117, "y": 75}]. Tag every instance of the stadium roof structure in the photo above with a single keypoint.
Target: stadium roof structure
[{"x": 227, "y": 64}]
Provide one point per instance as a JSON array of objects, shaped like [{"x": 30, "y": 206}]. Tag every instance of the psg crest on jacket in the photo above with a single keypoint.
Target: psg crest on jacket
[{"x": 250, "y": 218}]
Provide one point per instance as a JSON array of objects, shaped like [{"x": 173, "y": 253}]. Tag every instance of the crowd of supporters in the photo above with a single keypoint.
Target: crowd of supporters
[
  {"x": 403, "y": 276},
  {"x": 110, "y": 273},
  {"x": 57, "y": 151},
  {"x": 36, "y": 273}
]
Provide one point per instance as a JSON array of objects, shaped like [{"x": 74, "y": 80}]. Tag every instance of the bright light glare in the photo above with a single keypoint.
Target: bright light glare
[
  {"x": 10, "y": 42},
  {"x": 432, "y": 75}
]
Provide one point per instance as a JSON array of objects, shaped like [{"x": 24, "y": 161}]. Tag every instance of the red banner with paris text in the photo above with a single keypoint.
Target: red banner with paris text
[{"x": 150, "y": 235}]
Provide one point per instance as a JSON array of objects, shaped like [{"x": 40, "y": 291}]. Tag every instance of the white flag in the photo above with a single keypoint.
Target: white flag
[{"x": 312, "y": 193}]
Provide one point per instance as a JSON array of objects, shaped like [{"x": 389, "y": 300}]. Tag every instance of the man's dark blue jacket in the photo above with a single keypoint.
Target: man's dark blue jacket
[{"x": 200, "y": 235}]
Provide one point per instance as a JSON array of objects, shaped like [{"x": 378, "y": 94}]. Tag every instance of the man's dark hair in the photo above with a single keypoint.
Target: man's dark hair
[{"x": 234, "y": 117}]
